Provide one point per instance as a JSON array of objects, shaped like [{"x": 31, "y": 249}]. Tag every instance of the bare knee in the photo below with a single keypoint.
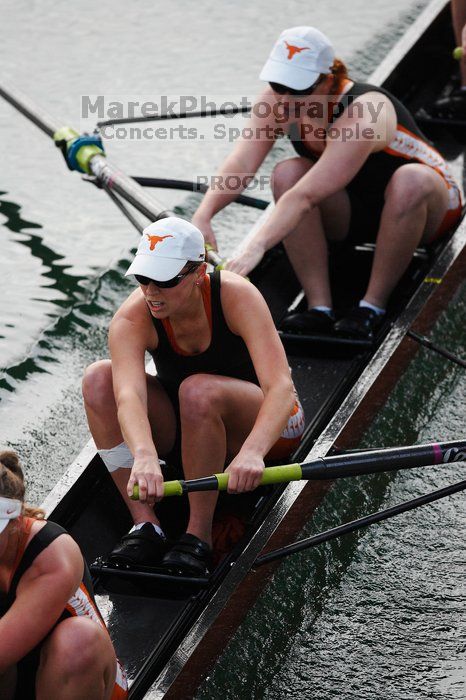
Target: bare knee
[
  {"x": 287, "y": 173},
  {"x": 77, "y": 646},
  {"x": 197, "y": 396},
  {"x": 97, "y": 385},
  {"x": 410, "y": 187}
]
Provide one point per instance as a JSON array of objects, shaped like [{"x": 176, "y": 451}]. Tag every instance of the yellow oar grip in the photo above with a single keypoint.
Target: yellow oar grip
[
  {"x": 280, "y": 474},
  {"x": 170, "y": 488},
  {"x": 458, "y": 53},
  {"x": 271, "y": 475}
]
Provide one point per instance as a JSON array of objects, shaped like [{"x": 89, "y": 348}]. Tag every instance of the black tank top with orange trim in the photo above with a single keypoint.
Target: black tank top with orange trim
[
  {"x": 226, "y": 355},
  {"x": 82, "y": 602},
  {"x": 37, "y": 544},
  {"x": 409, "y": 145}
]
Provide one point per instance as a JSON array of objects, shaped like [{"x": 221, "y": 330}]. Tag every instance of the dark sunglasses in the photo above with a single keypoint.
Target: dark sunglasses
[
  {"x": 168, "y": 284},
  {"x": 283, "y": 90}
]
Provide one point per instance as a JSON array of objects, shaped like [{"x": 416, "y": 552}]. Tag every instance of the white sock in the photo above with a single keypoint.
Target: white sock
[
  {"x": 156, "y": 527},
  {"x": 366, "y": 305},
  {"x": 326, "y": 309}
]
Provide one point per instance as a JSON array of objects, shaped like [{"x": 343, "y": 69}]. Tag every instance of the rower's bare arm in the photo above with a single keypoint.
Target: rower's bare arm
[
  {"x": 131, "y": 333},
  {"x": 41, "y": 597},
  {"x": 128, "y": 339},
  {"x": 248, "y": 315},
  {"x": 244, "y": 161},
  {"x": 342, "y": 159}
]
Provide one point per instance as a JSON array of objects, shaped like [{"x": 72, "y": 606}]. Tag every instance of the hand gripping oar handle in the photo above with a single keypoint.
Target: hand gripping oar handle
[
  {"x": 213, "y": 257},
  {"x": 337, "y": 467},
  {"x": 219, "y": 482}
]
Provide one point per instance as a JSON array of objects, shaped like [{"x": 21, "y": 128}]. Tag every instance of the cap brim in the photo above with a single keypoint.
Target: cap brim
[
  {"x": 292, "y": 77},
  {"x": 157, "y": 268},
  {"x": 3, "y": 523}
]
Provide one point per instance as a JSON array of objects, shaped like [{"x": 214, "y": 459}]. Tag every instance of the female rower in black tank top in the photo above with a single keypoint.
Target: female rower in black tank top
[
  {"x": 223, "y": 383},
  {"x": 53, "y": 641},
  {"x": 368, "y": 174}
]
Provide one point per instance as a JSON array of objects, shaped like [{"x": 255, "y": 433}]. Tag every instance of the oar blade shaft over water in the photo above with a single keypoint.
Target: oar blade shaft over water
[{"x": 335, "y": 467}]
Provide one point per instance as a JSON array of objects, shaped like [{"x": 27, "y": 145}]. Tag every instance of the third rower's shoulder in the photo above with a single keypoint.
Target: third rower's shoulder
[
  {"x": 61, "y": 558},
  {"x": 376, "y": 103},
  {"x": 373, "y": 111}
]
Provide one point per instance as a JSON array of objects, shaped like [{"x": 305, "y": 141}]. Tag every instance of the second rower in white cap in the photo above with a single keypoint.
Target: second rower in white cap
[{"x": 362, "y": 172}]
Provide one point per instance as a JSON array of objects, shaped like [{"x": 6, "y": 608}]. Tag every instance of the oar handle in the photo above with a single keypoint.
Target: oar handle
[
  {"x": 271, "y": 475},
  {"x": 458, "y": 53},
  {"x": 219, "y": 482},
  {"x": 334, "y": 467},
  {"x": 213, "y": 257}
]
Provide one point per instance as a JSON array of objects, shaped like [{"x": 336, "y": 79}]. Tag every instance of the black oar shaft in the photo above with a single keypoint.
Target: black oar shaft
[
  {"x": 354, "y": 525},
  {"x": 189, "y": 186},
  {"x": 171, "y": 115},
  {"x": 124, "y": 210},
  {"x": 443, "y": 352},
  {"x": 336, "y": 467},
  {"x": 373, "y": 461}
]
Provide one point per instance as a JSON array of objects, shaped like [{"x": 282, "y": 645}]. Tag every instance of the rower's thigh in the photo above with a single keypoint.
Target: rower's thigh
[
  {"x": 235, "y": 401},
  {"x": 242, "y": 403},
  {"x": 335, "y": 210}
]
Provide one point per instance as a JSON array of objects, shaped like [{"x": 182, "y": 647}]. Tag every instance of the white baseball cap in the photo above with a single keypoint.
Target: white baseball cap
[
  {"x": 299, "y": 56},
  {"x": 10, "y": 509},
  {"x": 165, "y": 248}
]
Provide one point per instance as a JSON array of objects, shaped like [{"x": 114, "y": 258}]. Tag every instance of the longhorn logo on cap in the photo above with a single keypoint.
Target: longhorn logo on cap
[
  {"x": 153, "y": 240},
  {"x": 292, "y": 50}
]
